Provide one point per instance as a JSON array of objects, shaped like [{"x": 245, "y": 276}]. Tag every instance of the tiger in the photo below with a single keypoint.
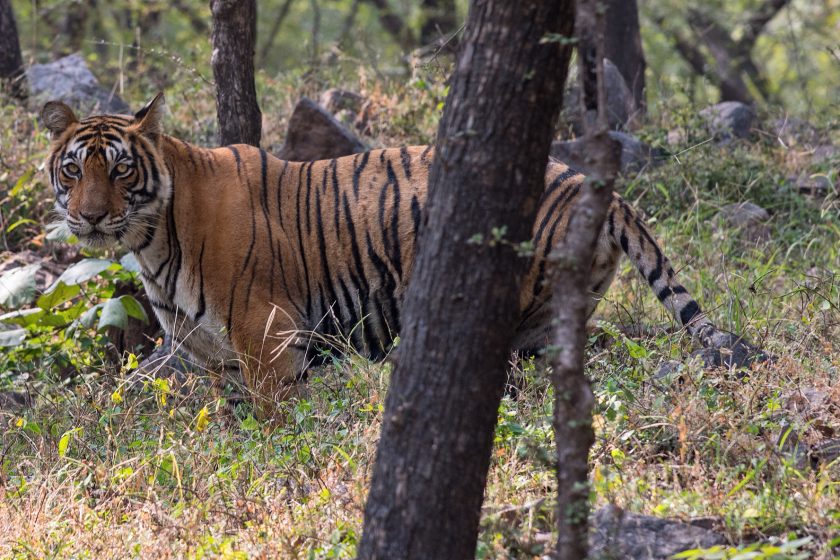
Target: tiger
[{"x": 246, "y": 257}]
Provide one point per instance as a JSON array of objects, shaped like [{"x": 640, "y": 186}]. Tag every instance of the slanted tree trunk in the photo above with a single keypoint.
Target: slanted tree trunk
[
  {"x": 711, "y": 50},
  {"x": 393, "y": 24},
  {"x": 12, "y": 78},
  {"x": 624, "y": 47},
  {"x": 234, "y": 40},
  {"x": 439, "y": 20},
  {"x": 571, "y": 263},
  {"x": 461, "y": 306}
]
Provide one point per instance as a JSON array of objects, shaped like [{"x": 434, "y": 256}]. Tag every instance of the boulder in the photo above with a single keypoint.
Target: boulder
[
  {"x": 621, "y": 107},
  {"x": 729, "y": 120},
  {"x": 792, "y": 131},
  {"x": 749, "y": 219},
  {"x": 70, "y": 80},
  {"x": 635, "y": 154},
  {"x": 335, "y": 100},
  {"x": 630, "y": 536},
  {"x": 314, "y": 134}
]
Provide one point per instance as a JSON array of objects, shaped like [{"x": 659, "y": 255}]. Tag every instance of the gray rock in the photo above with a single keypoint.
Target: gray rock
[
  {"x": 14, "y": 402},
  {"x": 70, "y": 80},
  {"x": 621, "y": 108},
  {"x": 315, "y": 134},
  {"x": 792, "y": 131},
  {"x": 635, "y": 154},
  {"x": 729, "y": 120},
  {"x": 750, "y": 221},
  {"x": 825, "y": 153},
  {"x": 335, "y": 100},
  {"x": 630, "y": 536},
  {"x": 812, "y": 185}
]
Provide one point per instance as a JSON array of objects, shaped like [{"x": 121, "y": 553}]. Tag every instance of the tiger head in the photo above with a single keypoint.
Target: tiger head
[{"x": 108, "y": 173}]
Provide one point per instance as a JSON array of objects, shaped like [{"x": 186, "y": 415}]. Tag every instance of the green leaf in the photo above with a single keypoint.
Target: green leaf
[
  {"x": 129, "y": 263},
  {"x": 23, "y": 317},
  {"x": 17, "y": 224},
  {"x": 64, "y": 442},
  {"x": 134, "y": 308},
  {"x": 23, "y": 181},
  {"x": 250, "y": 424},
  {"x": 12, "y": 337},
  {"x": 113, "y": 315},
  {"x": 17, "y": 287},
  {"x": 56, "y": 295},
  {"x": 81, "y": 272},
  {"x": 88, "y": 317}
]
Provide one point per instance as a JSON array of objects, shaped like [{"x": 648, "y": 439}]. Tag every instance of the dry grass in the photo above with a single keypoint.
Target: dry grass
[{"x": 100, "y": 468}]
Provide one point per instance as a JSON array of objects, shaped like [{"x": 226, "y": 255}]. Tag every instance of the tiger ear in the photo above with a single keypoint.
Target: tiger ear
[
  {"x": 150, "y": 118},
  {"x": 57, "y": 117}
]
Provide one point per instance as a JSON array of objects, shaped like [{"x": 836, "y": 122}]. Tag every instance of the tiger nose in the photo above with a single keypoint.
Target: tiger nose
[{"x": 93, "y": 218}]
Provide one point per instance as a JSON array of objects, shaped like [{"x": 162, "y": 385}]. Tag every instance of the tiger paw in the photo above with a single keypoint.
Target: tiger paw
[{"x": 726, "y": 349}]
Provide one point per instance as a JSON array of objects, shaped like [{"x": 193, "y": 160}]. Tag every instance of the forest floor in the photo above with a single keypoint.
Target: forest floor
[{"x": 96, "y": 466}]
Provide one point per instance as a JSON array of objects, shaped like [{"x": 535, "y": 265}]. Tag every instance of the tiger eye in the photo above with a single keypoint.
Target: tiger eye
[
  {"x": 122, "y": 168},
  {"x": 72, "y": 169}
]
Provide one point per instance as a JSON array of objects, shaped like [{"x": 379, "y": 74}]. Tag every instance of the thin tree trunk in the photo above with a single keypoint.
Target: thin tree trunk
[
  {"x": 461, "y": 305},
  {"x": 571, "y": 265},
  {"x": 12, "y": 78},
  {"x": 268, "y": 46},
  {"x": 624, "y": 47},
  {"x": 439, "y": 21},
  {"x": 393, "y": 24},
  {"x": 234, "y": 40}
]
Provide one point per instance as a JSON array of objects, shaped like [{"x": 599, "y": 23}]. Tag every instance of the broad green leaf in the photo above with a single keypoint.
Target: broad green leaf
[
  {"x": 12, "y": 337},
  {"x": 23, "y": 317},
  {"x": 134, "y": 308},
  {"x": 57, "y": 294},
  {"x": 89, "y": 317},
  {"x": 64, "y": 442},
  {"x": 129, "y": 262},
  {"x": 17, "y": 287},
  {"x": 81, "y": 272},
  {"x": 250, "y": 424},
  {"x": 113, "y": 315}
]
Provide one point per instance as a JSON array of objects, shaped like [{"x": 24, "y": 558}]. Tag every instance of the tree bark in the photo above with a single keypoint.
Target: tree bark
[
  {"x": 571, "y": 263},
  {"x": 624, "y": 47},
  {"x": 234, "y": 41},
  {"x": 461, "y": 305},
  {"x": 12, "y": 78}
]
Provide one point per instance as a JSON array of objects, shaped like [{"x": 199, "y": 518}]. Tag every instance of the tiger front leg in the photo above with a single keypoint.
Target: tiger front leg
[{"x": 272, "y": 361}]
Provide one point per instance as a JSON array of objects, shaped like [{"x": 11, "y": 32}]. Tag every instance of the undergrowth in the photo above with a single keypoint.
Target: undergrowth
[{"x": 112, "y": 462}]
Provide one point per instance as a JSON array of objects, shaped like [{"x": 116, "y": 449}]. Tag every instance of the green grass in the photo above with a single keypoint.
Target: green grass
[{"x": 110, "y": 463}]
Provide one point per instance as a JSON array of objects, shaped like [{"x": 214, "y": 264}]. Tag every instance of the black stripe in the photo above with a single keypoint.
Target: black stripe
[
  {"x": 357, "y": 172},
  {"x": 264, "y": 193},
  {"x": 201, "y": 303},
  {"x": 689, "y": 312},
  {"x": 405, "y": 159}
]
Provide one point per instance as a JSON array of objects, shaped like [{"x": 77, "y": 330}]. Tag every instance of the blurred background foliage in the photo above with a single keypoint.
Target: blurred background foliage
[{"x": 140, "y": 46}]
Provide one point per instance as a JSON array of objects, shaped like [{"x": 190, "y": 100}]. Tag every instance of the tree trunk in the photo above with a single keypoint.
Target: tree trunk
[
  {"x": 624, "y": 47},
  {"x": 439, "y": 20},
  {"x": 571, "y": 265},
  {"x": 461, "y": 305},
  {"x": 234, "y": 40},
  {"x": 393, "y": 24},
  {"x": 12, "y": 78}
]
